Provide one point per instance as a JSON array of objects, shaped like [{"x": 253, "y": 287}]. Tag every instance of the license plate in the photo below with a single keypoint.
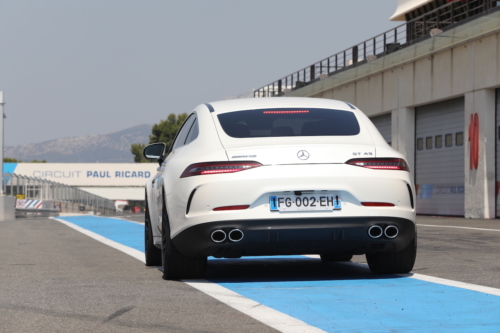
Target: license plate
[{"x": 309, "y": 202}]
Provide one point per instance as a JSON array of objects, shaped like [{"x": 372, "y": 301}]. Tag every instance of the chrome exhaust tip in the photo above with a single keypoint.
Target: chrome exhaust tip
[
  {"x": 391, "y": 231},
  {"x": 236, "y": 235},
  {"x": 375, "y": 231},
  {"x": 218, "y": 236}
]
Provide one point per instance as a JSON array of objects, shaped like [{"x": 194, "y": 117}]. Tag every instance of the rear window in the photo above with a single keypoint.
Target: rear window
[{"x": 289, "y": 122}]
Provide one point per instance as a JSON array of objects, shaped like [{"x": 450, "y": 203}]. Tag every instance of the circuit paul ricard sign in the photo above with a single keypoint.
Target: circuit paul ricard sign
[{"x": 87, "y": 174}]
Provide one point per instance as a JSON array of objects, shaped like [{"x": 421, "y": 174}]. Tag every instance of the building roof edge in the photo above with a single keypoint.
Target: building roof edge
[{"x": 406, "y": 6}]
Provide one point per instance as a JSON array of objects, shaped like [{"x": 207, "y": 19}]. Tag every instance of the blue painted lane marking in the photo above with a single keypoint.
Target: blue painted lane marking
[
  {"x": 124, "y": 232},
  {"x": 377, "y": 305},
  {"x": 365, "y": 303}
]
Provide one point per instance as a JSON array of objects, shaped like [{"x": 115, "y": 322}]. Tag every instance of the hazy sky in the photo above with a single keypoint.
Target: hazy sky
[{"x": 71, "y": 68}]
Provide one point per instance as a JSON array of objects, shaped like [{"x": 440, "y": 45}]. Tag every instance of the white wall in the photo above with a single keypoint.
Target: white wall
[{"x": 117, "y": 193}]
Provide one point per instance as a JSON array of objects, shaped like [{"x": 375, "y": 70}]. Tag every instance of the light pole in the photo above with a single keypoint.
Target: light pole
[
  {"x": 2, "y": 116},
  {"x": 7, "y": 203}
]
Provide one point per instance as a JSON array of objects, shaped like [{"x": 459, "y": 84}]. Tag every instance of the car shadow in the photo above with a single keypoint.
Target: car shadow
[{"x": 283, "y": 269}]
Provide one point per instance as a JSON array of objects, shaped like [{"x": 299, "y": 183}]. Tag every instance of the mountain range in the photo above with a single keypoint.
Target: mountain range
[{"x": 104, "y": 148}]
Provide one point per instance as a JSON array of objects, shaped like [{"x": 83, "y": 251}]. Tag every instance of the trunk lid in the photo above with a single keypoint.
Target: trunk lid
[{"x": 301, "y": 154}]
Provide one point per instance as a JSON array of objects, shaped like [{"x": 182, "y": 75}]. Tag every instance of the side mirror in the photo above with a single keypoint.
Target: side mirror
[{"x": 155, "y": 151}]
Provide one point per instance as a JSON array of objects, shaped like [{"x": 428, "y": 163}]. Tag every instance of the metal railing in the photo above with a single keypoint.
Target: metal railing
[
  {"x": 388, "y": 42},
  {"x": 53, "y": 196}
]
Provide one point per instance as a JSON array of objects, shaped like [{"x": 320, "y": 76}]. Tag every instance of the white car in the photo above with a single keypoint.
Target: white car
[{"x": 279, "y": 176}]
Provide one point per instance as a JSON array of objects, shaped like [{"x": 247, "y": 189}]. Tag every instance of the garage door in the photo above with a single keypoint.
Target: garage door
[
  {"x": 383, "y": 124},
  {"x": 439, "y": 158}
]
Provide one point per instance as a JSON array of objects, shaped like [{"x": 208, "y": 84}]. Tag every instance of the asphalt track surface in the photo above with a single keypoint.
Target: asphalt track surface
[{"x": 56, "y": 279}]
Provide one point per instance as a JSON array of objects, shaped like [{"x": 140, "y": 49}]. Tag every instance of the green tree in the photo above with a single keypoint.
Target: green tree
[
  {"x": 136, "y": 150},
  {"x": 164, "y": 131},
  {"x": 13, "y": 160}
]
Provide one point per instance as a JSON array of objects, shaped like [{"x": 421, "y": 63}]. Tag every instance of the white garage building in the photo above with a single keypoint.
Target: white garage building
[{"x": 431, "y": 86}]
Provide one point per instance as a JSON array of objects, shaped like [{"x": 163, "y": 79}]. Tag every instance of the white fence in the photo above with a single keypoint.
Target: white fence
[{"x": 36, "y": 194}]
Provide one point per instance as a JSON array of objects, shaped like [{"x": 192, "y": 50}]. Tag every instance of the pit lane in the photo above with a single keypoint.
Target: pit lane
[{"x": 55, "y": 277}]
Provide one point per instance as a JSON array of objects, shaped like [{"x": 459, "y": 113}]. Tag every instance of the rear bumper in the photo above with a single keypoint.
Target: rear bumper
[
  {"x": 295, "y": 236},
  {"x": 255, "y": 186}
]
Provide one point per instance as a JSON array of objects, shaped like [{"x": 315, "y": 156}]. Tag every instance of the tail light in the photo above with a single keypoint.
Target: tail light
[
  {"x": 380, "y": 163},
  {"x": 210, "y": 168}
]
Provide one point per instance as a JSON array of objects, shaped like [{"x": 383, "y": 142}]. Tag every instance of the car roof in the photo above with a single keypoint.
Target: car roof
[{"x": 281, "y": 102}]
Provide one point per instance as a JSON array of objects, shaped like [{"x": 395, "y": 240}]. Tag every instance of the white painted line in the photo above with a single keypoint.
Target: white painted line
[
  {"x": 275, "y": 319},
  {"x": 446, "y": 226},
  {"x": 446, "y": 282},
  {"x": 270, "y": 317},
  {"x": 125, "y": 249},
  {"x": 463, "y": 285},
  {"x": 123, "y": 219}
]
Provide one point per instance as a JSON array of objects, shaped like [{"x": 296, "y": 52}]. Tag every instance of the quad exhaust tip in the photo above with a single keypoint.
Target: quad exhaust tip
[
  {"x": 375, "y": 231},
  {"x": 391, "y": 231},
  {"x": 218, "y": 236},
  {"x": 236, "y": 235}
]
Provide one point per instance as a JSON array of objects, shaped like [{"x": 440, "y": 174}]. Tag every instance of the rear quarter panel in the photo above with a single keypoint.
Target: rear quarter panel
[{"x": 205, "y": 148}]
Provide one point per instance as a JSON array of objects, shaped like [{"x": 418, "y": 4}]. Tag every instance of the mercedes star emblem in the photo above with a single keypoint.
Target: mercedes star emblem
[{"x": 303, "y": 155}]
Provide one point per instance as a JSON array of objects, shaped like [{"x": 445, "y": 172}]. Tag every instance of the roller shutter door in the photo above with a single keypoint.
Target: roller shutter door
[
  {"x": 383, "y": 124},
  {"x": 439, "y": 158}
]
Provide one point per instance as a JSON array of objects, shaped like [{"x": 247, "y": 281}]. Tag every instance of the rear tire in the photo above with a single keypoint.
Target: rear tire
[
  {"x": 175, "y": 264},
  {"x": 329, "y": 257},
  {"x": 152, "y": 253},
  {"x": 393, "y": 262}
]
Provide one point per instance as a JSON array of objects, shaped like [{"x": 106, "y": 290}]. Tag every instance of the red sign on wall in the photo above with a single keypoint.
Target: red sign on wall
[{"x": 474, "y": 141}]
